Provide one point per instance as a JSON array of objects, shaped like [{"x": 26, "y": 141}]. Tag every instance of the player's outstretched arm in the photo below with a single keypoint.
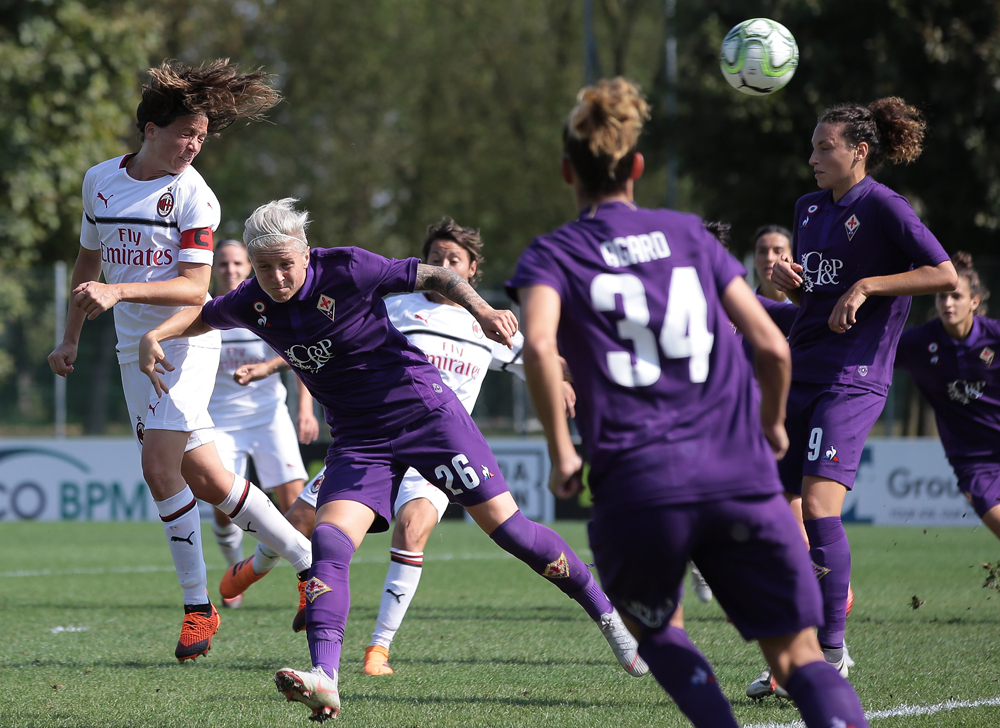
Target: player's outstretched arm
[
  {"x": 497, "y": 325},
  {"x": 919, "y": 281},
  {"x": 255, "y": 372},
  {"x": 87, "y": 268},
  {"x": 774, "y": 360},
  {"x": 152, "y": 361},
  {"x": 187, "y": 289},
  {"x": 540, "y": 307}
]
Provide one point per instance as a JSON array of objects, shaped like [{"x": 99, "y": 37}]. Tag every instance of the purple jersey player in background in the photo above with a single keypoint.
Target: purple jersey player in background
[
  {"x": 682, "y": 456},
  {"x": 859, "y": 252},
  {"x": 953, "y": 361},
  {"x": 388, "y": 410}
]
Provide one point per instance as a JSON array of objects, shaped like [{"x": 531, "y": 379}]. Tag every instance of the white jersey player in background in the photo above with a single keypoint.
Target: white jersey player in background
[
  {"x": 147, "y": 225},
  {"x": 455, "y": 344},
  {"x": 251, "y": 418}
]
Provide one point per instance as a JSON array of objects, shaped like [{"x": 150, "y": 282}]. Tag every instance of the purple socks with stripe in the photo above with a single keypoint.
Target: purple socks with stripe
[
  {"x": 824, "y": 698},
  {"x": 687, "y": 677},
  {"x": 328, "y": 595},
  {"x": 830, "y": 551},
  {"x": 548, "y": 554}
]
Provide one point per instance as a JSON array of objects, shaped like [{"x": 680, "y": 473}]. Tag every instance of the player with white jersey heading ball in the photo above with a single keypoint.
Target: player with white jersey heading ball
[
  {"x": 147, "y": 224},
  {"x": 388, "y": 410},
  {"x": 454, "y": 342},
  {"x": 251, "y": 417},
  {"x": 681, "y": 448}
]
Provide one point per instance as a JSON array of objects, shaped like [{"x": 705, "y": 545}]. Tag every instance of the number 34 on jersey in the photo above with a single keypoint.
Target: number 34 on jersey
[{"x": 683, "y": 334}]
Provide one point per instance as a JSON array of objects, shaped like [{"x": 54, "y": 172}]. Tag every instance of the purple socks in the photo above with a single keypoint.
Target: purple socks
[
  {"x": 548, "y": 554},
  {"x": 328, "y": 595},
  {"x": 830, "y": 552},
  {"x": 687, "y": 677},
  {"x": 824, "y": 698}
]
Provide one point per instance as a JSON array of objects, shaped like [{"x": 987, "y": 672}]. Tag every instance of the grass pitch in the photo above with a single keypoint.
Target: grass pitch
[{"x": 91, "y": 614}]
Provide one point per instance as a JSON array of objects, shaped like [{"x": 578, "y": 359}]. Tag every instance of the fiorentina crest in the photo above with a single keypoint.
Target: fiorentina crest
[
  {"x": 558, "y": 569},
  {"x": 315, "y": 587},
  {"x": 986, "y": 355},
  {"x": 852, "y": 226},
  {"x": 327, "y": 306}
]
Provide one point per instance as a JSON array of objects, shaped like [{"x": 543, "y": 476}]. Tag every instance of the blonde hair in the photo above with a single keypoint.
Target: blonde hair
[
  {"x": 602, "y": 133},
  {"x": 276, "y": 225}
]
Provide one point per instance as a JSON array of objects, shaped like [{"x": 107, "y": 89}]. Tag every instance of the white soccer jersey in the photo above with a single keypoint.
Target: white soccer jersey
[
  {"x": 138, "y": 228},
  {"x": 454, "y": 342},
  {"x": 233, "y": 405}
]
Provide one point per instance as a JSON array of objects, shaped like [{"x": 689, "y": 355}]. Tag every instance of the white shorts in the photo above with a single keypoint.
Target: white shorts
[
  {"x": 185, "y": 407},
  {"x": 274, "y": 448},
  {"x": 414, "y": 486}
]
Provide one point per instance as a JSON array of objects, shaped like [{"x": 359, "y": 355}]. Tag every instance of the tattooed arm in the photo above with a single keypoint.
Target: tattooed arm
[{"x": 497, "y": 325}]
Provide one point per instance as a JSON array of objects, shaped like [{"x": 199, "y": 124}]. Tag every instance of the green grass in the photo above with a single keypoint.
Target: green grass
[{"x": 486, "y": 643}]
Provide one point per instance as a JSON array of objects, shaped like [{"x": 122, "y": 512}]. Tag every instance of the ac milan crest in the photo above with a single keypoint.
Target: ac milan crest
[{"x": 166, "y": 204}]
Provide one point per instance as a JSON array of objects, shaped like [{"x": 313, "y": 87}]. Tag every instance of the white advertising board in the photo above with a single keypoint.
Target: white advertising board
[
  {"x": 100, "y": 479},
  {"x": 76, "y": 479},
  {"x": 901, "y": 481},
  {"x": 907, "y": 482}
]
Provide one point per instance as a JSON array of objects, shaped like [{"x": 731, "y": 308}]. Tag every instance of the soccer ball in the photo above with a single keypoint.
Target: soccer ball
[{"x": 758, "y": 57}]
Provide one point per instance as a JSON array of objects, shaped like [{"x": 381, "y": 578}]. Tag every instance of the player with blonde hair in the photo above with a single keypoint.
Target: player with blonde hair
[{"x": 388, "y": 410}]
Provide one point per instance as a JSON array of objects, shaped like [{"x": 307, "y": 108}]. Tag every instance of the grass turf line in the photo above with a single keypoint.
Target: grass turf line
[{"x": 486, "y": 643}]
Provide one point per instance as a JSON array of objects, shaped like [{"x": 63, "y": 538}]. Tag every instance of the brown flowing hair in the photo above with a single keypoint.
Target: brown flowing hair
[
  {"x": 893, "y": 130},
  {"x": 216, "y": 90}
]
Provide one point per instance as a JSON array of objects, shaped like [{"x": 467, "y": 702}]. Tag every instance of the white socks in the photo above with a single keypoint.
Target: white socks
[
  {"x": 253, "y": 511},
  {"x": 230, "y": 540},
  {"x": 182, "y": 524},
  {"x": 264, "y": 559},
  {"x": 400, "y": 585}
]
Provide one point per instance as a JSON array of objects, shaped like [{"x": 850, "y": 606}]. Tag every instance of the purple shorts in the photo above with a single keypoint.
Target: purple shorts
[
  {"x": 445, "y": 447},
  {"x": 981, "y": 485},
  {"x": 749, "y": 549},
  {"x": 827, "y": 426}
]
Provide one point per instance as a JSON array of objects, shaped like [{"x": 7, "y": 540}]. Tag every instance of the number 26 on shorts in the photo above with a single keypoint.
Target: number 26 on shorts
[{"x": 466, "y": 474}]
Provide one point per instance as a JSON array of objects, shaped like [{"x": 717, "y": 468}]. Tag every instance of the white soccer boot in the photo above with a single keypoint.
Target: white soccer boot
[
  {"x": 623, "y": 644},
  {"x": 765, "y": 685},
  {"x": 315, "y": 689},
  {"x": 701, "y": 588}
]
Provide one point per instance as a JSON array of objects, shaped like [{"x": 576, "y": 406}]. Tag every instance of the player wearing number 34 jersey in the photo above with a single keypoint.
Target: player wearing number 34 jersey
[{"x": 639, "y": 302}]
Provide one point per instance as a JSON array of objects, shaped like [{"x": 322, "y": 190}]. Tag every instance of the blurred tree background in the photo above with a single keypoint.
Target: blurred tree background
[{"x": 398, "y": 112}]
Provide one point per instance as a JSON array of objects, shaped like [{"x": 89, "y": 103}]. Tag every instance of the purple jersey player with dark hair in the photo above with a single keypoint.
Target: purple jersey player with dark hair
[
  {"x": 388, "y": 410},
  {"x": 682, "y": 455},
  {"x": 953, "y": 361},
  {"x": 859, "y": 252}
]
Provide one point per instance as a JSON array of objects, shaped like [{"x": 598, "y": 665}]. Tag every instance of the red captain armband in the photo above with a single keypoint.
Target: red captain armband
[{"x": 197, "y": 239}]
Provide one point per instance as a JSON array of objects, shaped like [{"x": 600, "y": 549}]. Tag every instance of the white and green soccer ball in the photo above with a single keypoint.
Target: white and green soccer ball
[{"x": 758, "y": 57}]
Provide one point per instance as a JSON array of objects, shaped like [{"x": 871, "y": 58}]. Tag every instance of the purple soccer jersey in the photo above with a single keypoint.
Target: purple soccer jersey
[
  {"x": 665, "y": 400},
  {"x": 336, "y": 335},
  {"x": 961, "y": 381},
  {"x": 870, "y": 231}
]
